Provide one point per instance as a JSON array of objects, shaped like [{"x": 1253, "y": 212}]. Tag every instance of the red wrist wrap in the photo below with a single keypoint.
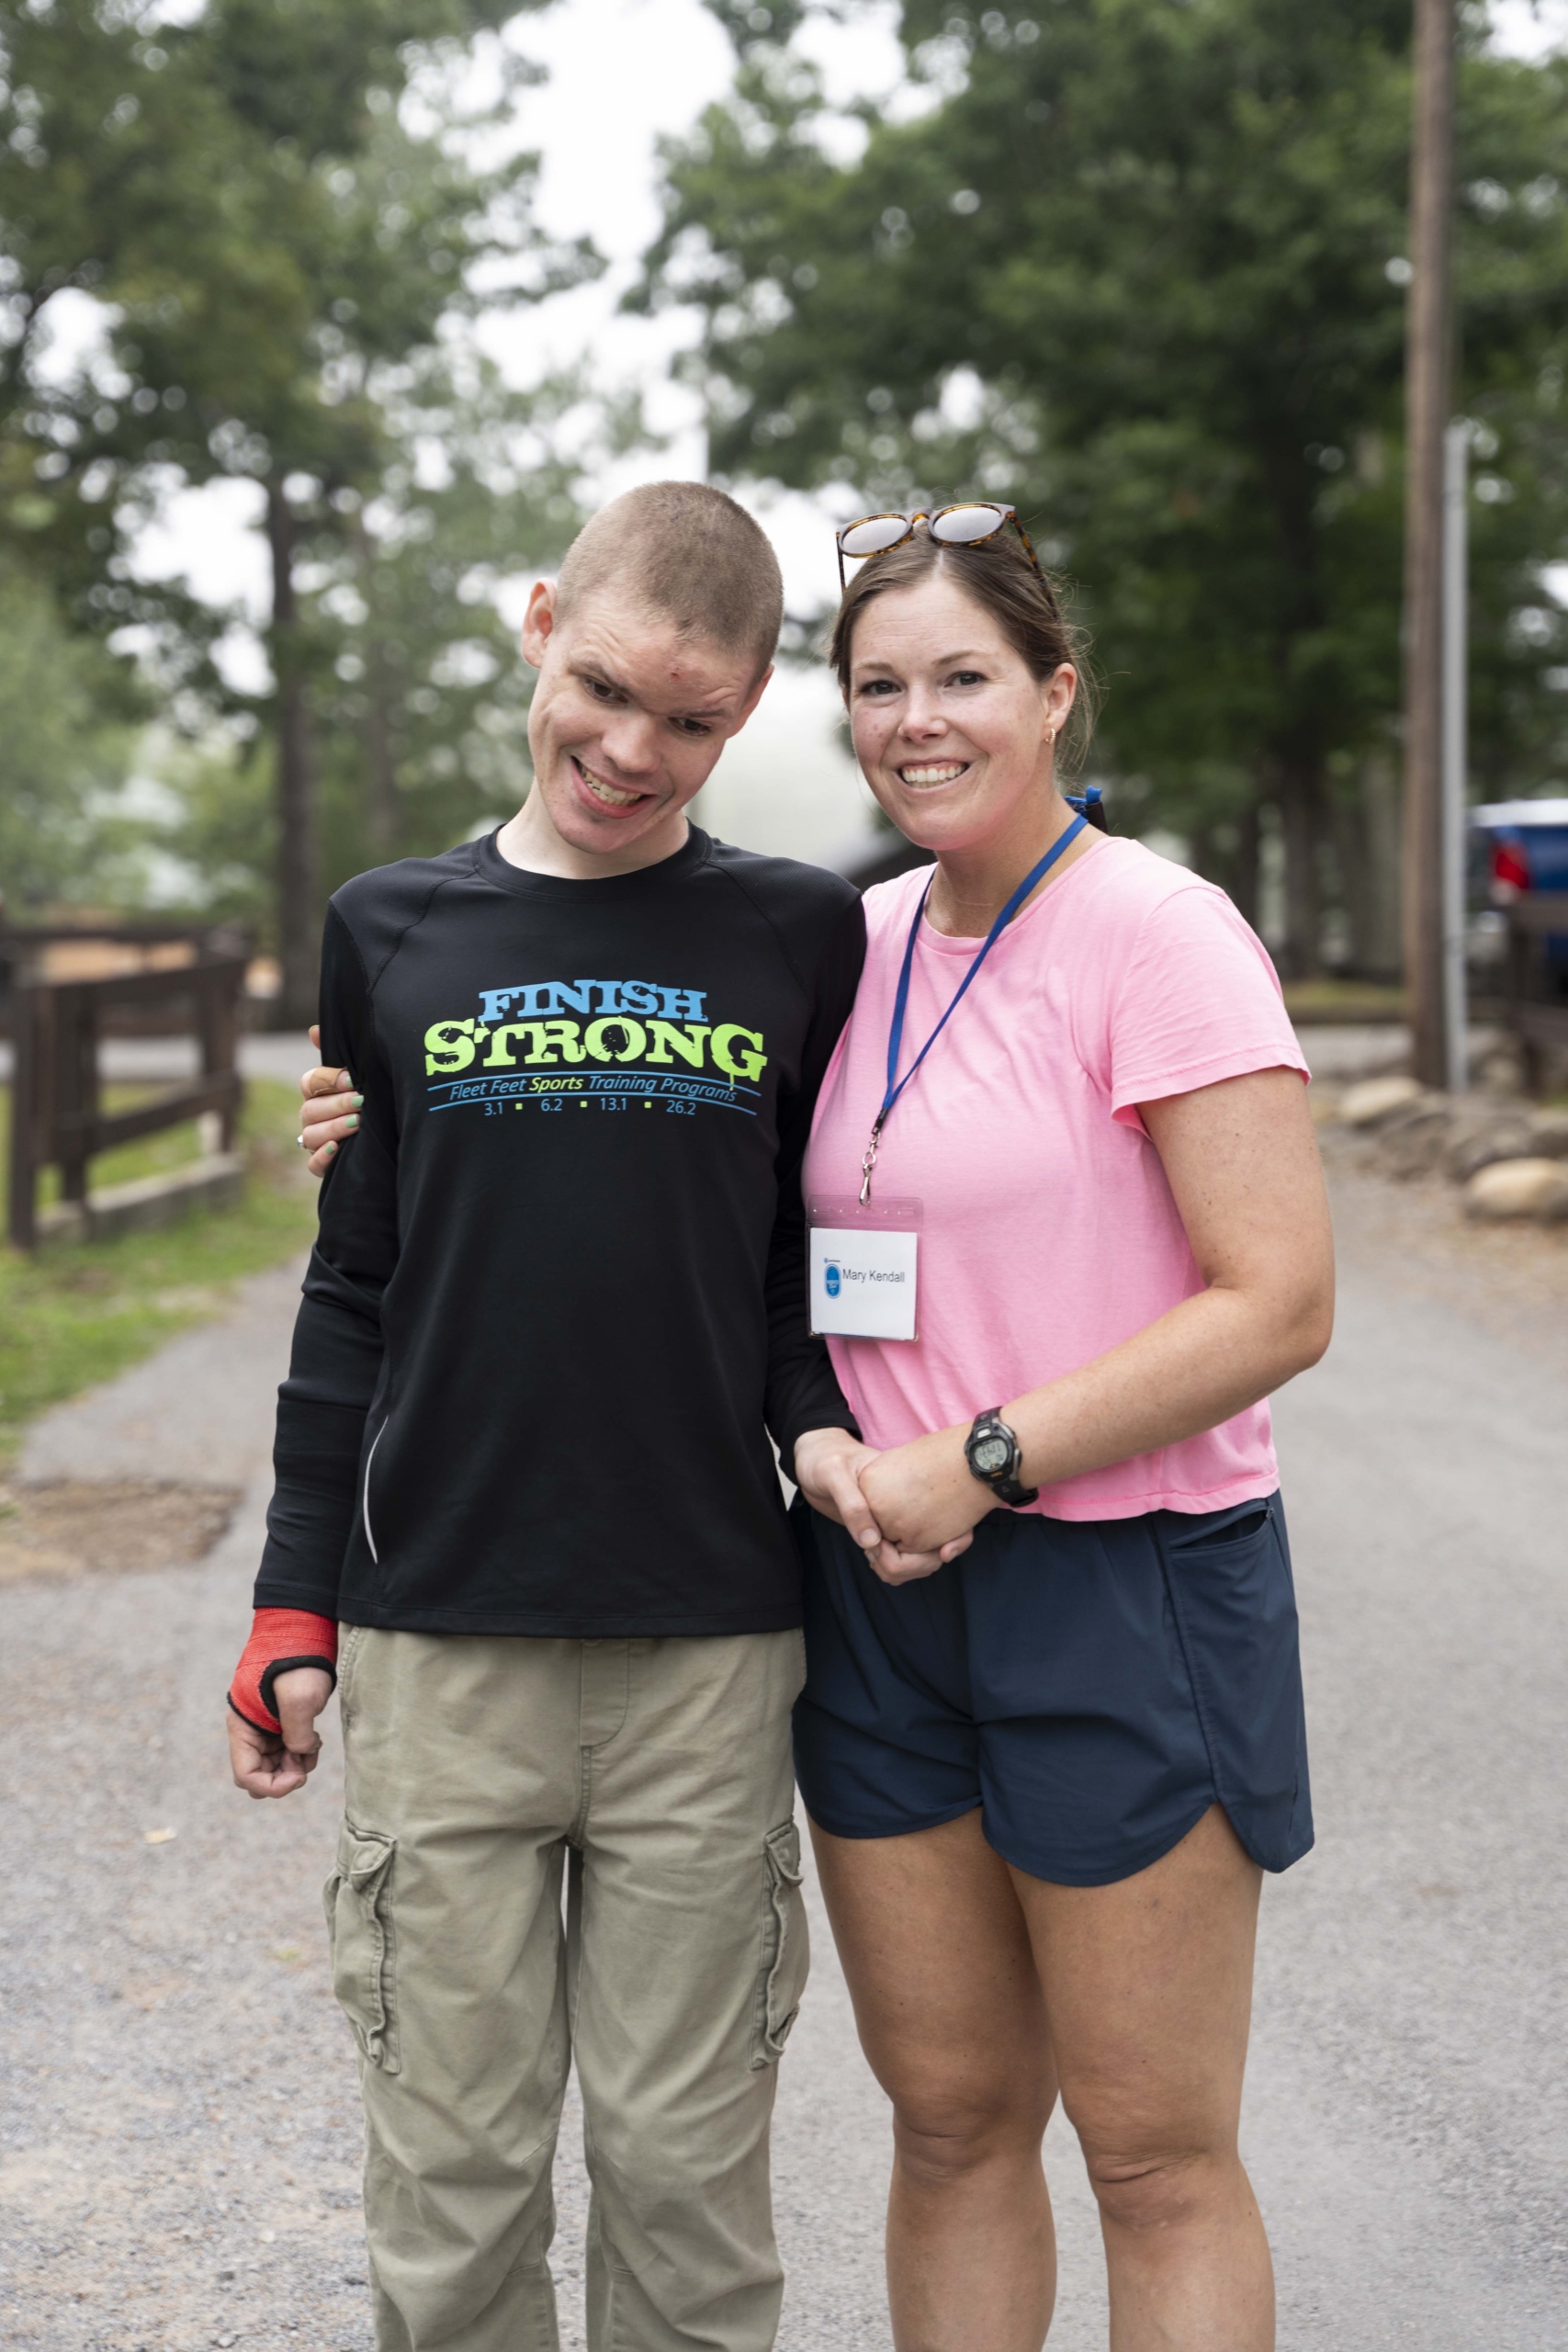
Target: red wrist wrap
[{"x": 281, "y": 1639}]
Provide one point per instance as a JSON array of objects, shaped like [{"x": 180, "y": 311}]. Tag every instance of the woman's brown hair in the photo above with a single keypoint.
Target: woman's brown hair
[{"x": 1000, "y": 579}]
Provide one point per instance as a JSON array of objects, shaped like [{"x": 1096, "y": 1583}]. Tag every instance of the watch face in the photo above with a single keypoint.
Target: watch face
[{"x": 992, "y": 1453}]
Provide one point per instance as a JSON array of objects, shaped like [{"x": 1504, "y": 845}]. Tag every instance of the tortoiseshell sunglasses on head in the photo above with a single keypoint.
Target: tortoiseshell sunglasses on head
[{"x": 968, "y": 525}]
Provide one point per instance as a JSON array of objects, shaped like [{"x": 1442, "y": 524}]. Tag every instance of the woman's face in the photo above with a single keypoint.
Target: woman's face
[{"x": 952, "y": 729}]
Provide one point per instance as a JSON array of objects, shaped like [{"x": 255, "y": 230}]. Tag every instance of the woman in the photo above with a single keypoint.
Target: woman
[{"x": 1043, "y": 1781}]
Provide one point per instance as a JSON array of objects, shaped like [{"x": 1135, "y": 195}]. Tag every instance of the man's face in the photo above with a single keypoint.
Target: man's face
[{"x": 628, "y": 717}]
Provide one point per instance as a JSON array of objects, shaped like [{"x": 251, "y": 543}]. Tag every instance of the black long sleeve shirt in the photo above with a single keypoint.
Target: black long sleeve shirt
[{"x": 558, "y": 1297}]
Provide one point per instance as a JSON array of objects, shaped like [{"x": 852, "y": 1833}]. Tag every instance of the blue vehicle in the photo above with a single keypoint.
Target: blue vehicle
[
  {"x": 1524, "y": 846},
  {"x": 1517, "y": 846}
]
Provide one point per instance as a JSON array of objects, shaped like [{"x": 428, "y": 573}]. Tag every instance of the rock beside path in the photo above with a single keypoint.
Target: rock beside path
[
  {"x": 1377, "y": 1099},
  {"x": 1510, "y": 1188},
  {"x": 1485, "y": 1137},
  {"x": 1411, "y": 1131}
]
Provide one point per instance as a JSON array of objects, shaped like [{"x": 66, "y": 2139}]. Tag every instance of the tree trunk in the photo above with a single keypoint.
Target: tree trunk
[
  {"x": 1245, "y": 883},
  {"x": 1384, "y": 819},
  {"x": 1301, "y": 822},
  {"x": 298, "y": 847},
  {"x": 1365, "y": 841},
  {"x": 1348, "y": 835},
  {"x": 381, "y": 773},
  {"x": 382, "y": 813},
  {"x": 1429, "y": 364}
]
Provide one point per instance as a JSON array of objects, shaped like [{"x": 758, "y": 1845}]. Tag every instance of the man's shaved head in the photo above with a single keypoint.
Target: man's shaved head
[{"x": 687, "y": 552}]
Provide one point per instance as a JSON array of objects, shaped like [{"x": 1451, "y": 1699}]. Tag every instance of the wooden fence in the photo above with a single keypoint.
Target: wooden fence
[{"x": 55, "y": 1025}]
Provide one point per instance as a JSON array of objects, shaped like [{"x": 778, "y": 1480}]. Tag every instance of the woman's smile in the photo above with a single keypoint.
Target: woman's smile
[{"x": 921, "y": 776}]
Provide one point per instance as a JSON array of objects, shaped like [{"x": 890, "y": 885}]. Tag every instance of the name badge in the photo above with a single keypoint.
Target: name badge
[{"x": 863, "y": 1268}]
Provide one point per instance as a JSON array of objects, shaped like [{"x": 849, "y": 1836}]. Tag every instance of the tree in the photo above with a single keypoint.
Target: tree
[
  {"x": 67, "y": 724},
  {"x": 282, "y": 207},
  {"x": 423, "y": 699},
  {"x": 418, "y": 696},
  {"x": 1137, "y": 265}
]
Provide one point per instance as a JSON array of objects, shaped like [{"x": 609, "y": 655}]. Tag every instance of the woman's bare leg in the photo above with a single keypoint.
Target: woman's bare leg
[
  {"x": 1149, "y": 1985},
  {"x": 936, "y": 1953}
]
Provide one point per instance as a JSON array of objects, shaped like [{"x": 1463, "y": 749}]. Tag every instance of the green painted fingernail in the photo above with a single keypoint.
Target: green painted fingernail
[
  {"x": 330, "y": 1147},
  {"x": 353, "y": 1122},
  {"x": 357, "y": 1101}
]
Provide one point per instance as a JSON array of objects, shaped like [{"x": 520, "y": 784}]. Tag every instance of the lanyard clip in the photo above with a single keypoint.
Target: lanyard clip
[{"x": 869, "y": 1161}]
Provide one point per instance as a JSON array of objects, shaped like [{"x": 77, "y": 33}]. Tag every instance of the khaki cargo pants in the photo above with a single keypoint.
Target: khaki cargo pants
[{"x": 656, "y": 1775}]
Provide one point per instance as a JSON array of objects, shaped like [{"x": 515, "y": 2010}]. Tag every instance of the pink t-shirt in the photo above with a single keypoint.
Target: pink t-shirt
[{"x": 1049, "y": 1232}]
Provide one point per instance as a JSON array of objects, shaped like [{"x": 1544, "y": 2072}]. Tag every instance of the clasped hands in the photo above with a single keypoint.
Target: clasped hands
[{"x": 910, "y": 1508}]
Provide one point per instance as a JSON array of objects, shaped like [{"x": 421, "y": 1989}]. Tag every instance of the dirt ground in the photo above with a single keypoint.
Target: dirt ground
[
  {"x": 179, "y": 2144},
  {"x": 179, "y": 2137},
  {"x": 72, "y": 1527},
  {"x": 1511, "y": 1279}
]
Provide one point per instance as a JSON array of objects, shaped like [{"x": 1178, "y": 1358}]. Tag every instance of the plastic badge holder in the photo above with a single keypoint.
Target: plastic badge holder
[{"x": 863, "y": 1267}]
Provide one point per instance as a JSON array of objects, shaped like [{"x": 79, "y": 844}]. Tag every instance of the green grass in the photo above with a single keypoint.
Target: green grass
[
  {"x": 78, "y": 1313},
  {"x": 1346, "y": 1000},
  {"x": 153, "y": 1155}
]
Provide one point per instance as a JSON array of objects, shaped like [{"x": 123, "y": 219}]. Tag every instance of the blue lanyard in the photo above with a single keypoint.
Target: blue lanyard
[{"x": 896, "y": 1084}]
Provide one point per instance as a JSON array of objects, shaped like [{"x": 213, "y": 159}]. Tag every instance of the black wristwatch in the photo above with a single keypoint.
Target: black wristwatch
[{"x": 996, "y": 1457}]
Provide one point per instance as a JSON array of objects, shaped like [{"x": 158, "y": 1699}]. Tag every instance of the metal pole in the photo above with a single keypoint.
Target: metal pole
[
  {"x": 1456, "y": 663},
  {"x": 1427, "y": 411}
]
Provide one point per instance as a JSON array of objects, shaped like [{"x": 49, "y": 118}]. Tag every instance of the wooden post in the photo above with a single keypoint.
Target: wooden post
[
  {"x": 76, "y": 1084},
  {"x": 1427, "y": 372},
  {"x": 217, "y": 1026},
  {"x": 21, "y": 1208}
]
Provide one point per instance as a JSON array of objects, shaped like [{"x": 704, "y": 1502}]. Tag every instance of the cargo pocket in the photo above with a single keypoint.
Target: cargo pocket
[
  {"x": 358, "y": 1898},
  {"x": 786, "y": 1946}
]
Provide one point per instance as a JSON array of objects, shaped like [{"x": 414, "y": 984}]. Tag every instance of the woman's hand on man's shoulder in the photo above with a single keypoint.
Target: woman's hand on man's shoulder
[{"x": 331, "y": 1112}]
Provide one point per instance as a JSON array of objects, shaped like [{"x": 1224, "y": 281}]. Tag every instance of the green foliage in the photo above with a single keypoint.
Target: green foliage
[
  {"x": 215, "y": 818},
  {"x": 418, "y": 693},
  {"x": 281, "y": 210},
  {"x": 245, "y": 192},
  {"x": 64, "y": 722},
  {"x": 418, "y": 690},
  {"x": 1129, "y": 266}
]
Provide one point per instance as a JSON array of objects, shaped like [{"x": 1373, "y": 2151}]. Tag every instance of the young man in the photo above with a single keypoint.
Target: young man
[{"x": 555, "y": 1304}]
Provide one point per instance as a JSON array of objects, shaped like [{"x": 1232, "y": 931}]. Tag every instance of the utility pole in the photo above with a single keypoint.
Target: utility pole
[
  {"x": 1456, "y": 759},
  {"x": 1427, "y": 372}
]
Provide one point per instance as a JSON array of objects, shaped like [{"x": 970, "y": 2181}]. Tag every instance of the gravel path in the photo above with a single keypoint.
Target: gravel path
[{"x": 178, "y": 2127}]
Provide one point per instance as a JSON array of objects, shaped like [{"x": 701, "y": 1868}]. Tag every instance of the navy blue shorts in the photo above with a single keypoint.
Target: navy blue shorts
[{"x": 1093, "y": 1687}]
